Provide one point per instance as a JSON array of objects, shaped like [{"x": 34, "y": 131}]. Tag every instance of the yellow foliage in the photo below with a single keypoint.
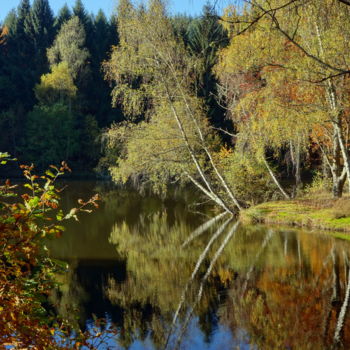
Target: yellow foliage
[{"x": 57, "y": 86}]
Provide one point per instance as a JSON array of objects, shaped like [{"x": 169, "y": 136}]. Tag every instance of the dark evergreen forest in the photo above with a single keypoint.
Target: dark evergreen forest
[
  {"x": 55, "y": 101},
  {"x": 38, "y": 124}
]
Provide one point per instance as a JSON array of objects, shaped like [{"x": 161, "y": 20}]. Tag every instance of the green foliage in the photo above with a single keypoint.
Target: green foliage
[
  {"x": 247, "y": 177},
  {"x": 8, "y": 122},
  {"x": 50, "y": 134},
  {"x": 26, "y": 271},
  {"x": 57, "y": 86},
  {"x": 82, "y": 44},
  {"x": 319, "y": 187},
  {"x": 164, "y": 156},
  {"x": 40, "y": 26},
  {"x": 175, "y": 125},
  {"x": 90, "y": 141},
  {"x": 180, "y": 25},
  {"x": 69, "y": 47},
  {"x": 64, "y": 15}
]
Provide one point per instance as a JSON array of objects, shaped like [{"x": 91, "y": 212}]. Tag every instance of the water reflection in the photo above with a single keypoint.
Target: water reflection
[{"x": 167, "y": 278}]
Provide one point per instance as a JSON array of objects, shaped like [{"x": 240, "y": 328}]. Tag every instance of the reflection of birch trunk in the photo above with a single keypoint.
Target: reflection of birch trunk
[
  {"x": 299, "y": 249},
  {"x": 204, "y": 278},
  {"x": 257, "y": 257},
  {"x": 285, "y": 250},
  {"x": 346, "y": 265},
  {"x": 201, "y": 229},
  {"x": 198, "y": 264},
  {"x": 327, "y": 320},
  {"x": 336, "y": 280},
  {"x": 340, "y": 322}
]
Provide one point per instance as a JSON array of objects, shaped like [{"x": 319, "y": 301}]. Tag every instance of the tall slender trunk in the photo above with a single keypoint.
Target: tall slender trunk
[
  {"x": 209, "y": 190},
  {"x": 295, "y": 154},
  {"x": 220, "y": 177},
  {"x": 286, "y": 196},
  {"x": 298, "y": 182},
  {"x": 345, "y": 153},
  {"x": 338, "y": 173},
  {"x": 336, "y": 117}
]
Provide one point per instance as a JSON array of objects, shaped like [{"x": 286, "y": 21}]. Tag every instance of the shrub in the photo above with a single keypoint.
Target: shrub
[{"x": 26, "y": 271}]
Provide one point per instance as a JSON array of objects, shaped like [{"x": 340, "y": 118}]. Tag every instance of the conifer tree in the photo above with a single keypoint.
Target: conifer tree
[
  {"x": 39, "y": 27},
  {"x": 64, "y": 15},
  {"x": 85, "y": 20},
  {"x": 19, "y": 56},
  {"x": 205, "y": 37}
]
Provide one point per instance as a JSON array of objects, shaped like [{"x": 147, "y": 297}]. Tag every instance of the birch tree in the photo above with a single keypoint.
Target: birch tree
[
  {"x": 153, "y": 76},
  {"x": 298, "y": 56}
]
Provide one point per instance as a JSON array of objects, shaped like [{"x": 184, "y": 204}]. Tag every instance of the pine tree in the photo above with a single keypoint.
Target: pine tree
[
  {"x": 10, "y": 20},
  {"x": 80, "y": 12},
  {"x": 87, "y": 21},
  {"x": 63, "y": 16},
  {"x": 23, "y": 13},
  {"x": 205, "y": 37},
  {"x": 41, "y": 31},
  {"x": 104, "y": 36},
  {"x": 19, "y": 54}
]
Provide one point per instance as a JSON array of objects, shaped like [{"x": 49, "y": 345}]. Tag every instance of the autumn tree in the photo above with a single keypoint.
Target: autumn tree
[
  {"x": 57, "y": 86},
  {"x": 276, "y": 85}
]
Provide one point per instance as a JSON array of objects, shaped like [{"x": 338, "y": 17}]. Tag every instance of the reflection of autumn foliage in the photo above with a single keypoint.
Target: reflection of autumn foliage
[
  {"x": 26, "y": 272},
  {"x": 297, "y": 306}
]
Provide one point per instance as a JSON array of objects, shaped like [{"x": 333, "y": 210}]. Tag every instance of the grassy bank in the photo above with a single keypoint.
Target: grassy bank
[{"x": 325, "y": 214}]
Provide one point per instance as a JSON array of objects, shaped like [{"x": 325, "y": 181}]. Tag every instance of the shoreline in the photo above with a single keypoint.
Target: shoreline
[{"x": 299, "y": 213}]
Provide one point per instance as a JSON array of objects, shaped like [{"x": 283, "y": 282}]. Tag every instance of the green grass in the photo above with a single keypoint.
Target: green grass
[{"x": 302, "y": 213}]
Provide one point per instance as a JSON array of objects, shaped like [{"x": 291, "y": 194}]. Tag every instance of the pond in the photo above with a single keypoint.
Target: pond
[{"x": 172, "y": 274}]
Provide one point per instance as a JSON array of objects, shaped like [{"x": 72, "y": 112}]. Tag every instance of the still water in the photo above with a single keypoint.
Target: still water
[{"x": 170, "y": 274}]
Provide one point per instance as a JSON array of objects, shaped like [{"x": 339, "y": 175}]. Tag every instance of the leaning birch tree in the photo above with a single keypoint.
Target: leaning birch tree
[{"x": 167, "y": 137}]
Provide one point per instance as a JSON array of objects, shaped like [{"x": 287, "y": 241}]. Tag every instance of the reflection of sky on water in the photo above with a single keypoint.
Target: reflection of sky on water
[{"x": 221, "y": 339}]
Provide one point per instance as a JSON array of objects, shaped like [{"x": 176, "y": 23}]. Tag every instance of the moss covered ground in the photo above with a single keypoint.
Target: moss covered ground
[{"x": 325, "y": 214}]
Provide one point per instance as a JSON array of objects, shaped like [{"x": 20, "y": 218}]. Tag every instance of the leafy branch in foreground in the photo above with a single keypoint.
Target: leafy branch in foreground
[{"x": 29, "y": 213}]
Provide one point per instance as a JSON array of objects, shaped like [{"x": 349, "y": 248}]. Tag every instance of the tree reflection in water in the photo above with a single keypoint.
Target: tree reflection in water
[{"x": 173, "y": 286}]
